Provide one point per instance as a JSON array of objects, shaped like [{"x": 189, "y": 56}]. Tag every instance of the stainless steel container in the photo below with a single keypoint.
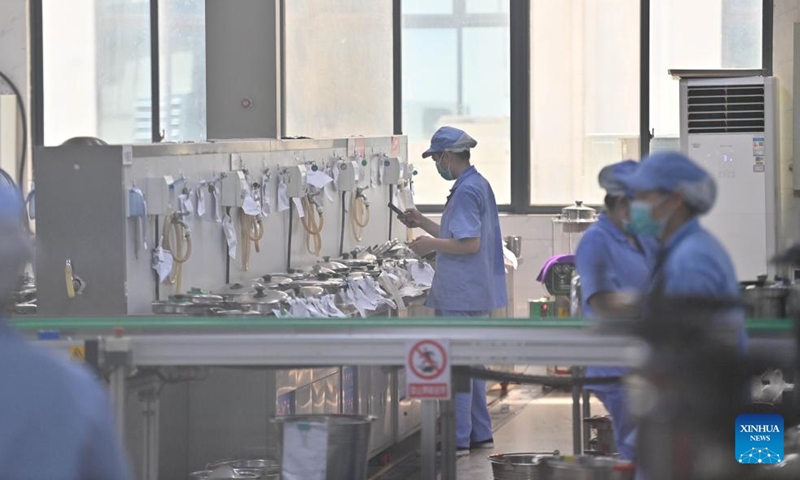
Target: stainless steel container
[
  {"x": 576, "y": 302},
  {"x": 514, "y": 244},
  {"x": 348, "y": 443},
  {"x": 765, "y": 302},
  {"x": 588, "y": 468},
  {"x": 578, "y": 213},
  {"x": 520, "y": 466}
]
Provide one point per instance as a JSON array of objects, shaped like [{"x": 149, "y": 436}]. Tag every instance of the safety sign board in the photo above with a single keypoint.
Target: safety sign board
[{"x": 428, "y": 369}]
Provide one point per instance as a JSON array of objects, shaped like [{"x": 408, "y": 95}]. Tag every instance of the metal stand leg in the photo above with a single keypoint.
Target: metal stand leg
[
  {"x": 448, "y": 413},
  {"x": 150, "y": 416},
  {"x": 587, "y": 413},
  {"x": 577, "y": 422},
  {"x": 428, "y": 443},
  {"x": 117, "y": 393}
]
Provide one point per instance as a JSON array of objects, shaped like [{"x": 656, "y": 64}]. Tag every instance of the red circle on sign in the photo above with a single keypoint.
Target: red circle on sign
[{"x": 437, "y": 369}]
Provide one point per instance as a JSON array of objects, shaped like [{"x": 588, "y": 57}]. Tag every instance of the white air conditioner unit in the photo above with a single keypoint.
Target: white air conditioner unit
[{"x": 729, "y": 126}]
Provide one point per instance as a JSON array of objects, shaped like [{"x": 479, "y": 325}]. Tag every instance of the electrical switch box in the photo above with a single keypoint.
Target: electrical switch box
[
  {"x": 157, "y": 194},
  {"x": 233, "y": 189},
  {"x": 391, "y": 170},
  {"x": 348, "y": 176},
  {"x": 296, "y": 181}
]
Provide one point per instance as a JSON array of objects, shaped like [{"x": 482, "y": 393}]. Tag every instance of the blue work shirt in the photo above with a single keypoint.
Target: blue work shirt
[
  {"x": 473, "y": 282},
  {"x": 697, "y": 265},
  {"x": 55, "y": 418},
  {"x": 608, "y": 262}
]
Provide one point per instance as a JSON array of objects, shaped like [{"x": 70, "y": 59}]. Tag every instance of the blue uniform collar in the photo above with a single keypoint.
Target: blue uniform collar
[
  {"x": 684, "y": 231},
  {"x": 608, "y": 226},
  {"x": 464, "y": 175}
]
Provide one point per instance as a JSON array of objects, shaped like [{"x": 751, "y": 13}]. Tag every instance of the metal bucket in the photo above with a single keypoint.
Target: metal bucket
[
  {"x": 588, "y": 468},
  {"x": 519, "y": 466},
  {"x": 348, "y": 443}
]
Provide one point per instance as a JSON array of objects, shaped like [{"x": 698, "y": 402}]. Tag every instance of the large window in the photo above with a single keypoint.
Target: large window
[
  {"x": 97, "y": 70},
  {"x": 687, "y": 34},
  {"x": 338, "y": 68},
  {"x": 182, "y": 57},
  {"x": 584, "y": 95},
  {"x": 456, "y": 69}
]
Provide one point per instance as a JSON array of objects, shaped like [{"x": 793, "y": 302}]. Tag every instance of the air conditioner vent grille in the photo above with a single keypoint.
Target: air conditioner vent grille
[{"x": 726, "y": 109}]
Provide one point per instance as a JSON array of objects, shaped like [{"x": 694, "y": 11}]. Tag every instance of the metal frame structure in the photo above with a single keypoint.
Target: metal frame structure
[{"x": 250, "y": 343}]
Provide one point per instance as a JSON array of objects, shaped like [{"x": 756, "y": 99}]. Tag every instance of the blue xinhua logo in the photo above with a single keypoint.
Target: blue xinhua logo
[{"x": 759, "y": 439}]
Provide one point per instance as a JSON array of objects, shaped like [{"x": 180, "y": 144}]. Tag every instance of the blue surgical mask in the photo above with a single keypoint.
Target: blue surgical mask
[
  {"x": 444, "y": 172},
  {"x": 642, "y": 222}
]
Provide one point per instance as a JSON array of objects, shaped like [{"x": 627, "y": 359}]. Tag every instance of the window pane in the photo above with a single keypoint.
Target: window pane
[
  {"x": 96, "y": 69},
  {"x": 414, "y": 7},
  {"x": 487, "y": 6},
  {"x": 338, "y": 79},
  {"x": 584, "y": 95},
  {"x": 182, "y": 47},
  {"x": 686, "y": 34},
  {"x": 472, "y": 95}
]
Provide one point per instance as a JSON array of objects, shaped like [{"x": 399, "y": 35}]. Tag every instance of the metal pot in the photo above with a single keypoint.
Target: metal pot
[
  {"x": 236, "y": 290},
  {"x": 765, "y": 302},
  {"x": 588, "y": 468},
  {"x": 170, "y": 308},
  {"x": 263, "y": 300},
  {"x": 198, "y": 297},
  {"x": 223, "y": 472},
  {"x": 265, "y": 469},
  {"x": 520, "y": 466},
  {"x": 578, "y": 213}
]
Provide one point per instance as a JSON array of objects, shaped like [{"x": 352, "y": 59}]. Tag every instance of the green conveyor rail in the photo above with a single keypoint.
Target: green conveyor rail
[{"x": 270, "y": 323}]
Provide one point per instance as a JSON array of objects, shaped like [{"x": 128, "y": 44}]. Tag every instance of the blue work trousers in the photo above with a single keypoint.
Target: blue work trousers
[
  {"x": 614, "y": 398},
  {"x": 473, "y": 423}
]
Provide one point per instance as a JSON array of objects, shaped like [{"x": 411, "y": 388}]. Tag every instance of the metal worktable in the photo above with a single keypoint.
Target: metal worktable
[{"x": 131, "y": 342}]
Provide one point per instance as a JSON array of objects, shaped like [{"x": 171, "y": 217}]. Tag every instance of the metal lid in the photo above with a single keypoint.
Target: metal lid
[{"x": 579, "y": 207}]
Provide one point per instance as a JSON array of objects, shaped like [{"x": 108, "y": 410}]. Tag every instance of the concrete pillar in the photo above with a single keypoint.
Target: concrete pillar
[{"x": 243, "y": 68}]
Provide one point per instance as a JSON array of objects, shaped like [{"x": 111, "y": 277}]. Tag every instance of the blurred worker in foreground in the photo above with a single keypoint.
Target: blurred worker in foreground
[
  {"x": 470, "y": 273},
  {"x": 55, "y": 418},
  {"x": 670, "y": 192},
  {"x": 692, "y": 321},
  {"x": 615, "y": 267}
]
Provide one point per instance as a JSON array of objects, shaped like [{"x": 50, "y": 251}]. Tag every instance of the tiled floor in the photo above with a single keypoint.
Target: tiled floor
[{"x": 525, "y": 421}]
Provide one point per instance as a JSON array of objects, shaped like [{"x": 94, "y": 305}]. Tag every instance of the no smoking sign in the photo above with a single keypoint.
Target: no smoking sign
[{"x": 428, "y": 369}]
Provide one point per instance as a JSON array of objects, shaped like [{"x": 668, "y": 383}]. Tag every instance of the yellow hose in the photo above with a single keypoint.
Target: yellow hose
[
  {"x": 179, "y": 257},
  {"x": 359, "y": 215},
  {"x": 250, "y": 229},
  {"x": 70, "y": 285},
  {"x": 313, "y": 221}
]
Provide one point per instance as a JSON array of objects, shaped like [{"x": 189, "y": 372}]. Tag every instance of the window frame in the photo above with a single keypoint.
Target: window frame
[{"x": 520, "y": 37}]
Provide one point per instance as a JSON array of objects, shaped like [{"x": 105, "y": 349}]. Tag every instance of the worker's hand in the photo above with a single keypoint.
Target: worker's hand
[
  {"x": 423, "y": 245},
  {"x": 411, "y": 218}
]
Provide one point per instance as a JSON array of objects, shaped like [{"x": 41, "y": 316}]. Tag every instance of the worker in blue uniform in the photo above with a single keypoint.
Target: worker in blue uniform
[
  {"x": 670, "y": 193},
  {"x": 55, "y": 417},
  {"x": 470, "y": 271},
  {"x": 614, "y": 267}
]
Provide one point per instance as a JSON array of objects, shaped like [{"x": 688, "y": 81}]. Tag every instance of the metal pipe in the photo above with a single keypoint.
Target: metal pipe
[
  {"x": 448, "y": 419},
  {"x": 577, "y": 423},
  {"x": 428, "y": 440}
]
